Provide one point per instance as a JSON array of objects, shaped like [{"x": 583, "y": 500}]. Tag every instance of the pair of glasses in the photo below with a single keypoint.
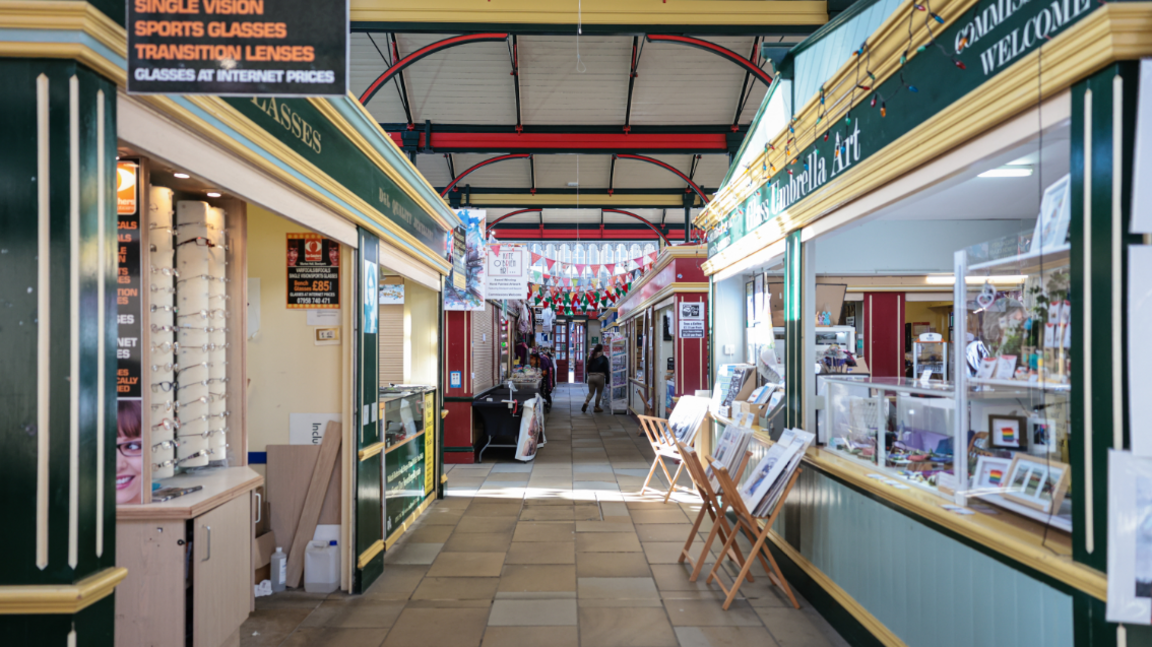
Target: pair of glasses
[
  {"x": 207, "y": 434},
  {"x": 224, "y": 414},
  {"x": 208, "y": 329},
  {"x": 204, "y": 399},
  {"x": 199, "y": 241},
  {"x": 156, "y": 308},
  {"x": 166, "y": 271},
  {"x": 200, "y": 454},
  {"x": 168, "y": 463},
  {"x": 163, "y": 386},
  {"x": 167, "y": 424},
  {"x": 156, "y": 328},
  {"x": 206, "y": 277},
  {"x": 156, "y": 288},
  {"x": 181, "y": 370},
  {"x": 167, "y": 368},
  {"x": 170, "y": 405},
  {"x": 206, "y": 347},
  {"x": 218, "y": 313},
  {"x": 226, "y": 297},
  {"x": 130, "y": 449},
  {"x": 188, "y": 421},
  {"x": 167, "y": 444},
  {"x": 164, "y": 228},
  {"x": 166, "y": 347}
]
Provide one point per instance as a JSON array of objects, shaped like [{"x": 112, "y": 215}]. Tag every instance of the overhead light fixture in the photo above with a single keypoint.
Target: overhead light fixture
[
  {"x": 213, "y": 194},
  {"x": 950, "y": 279},
  {"x": 1008, "y": 171},
  {"x": 182, "y": 176}
]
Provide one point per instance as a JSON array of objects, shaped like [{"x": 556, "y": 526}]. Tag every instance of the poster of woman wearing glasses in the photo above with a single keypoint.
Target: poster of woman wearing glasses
[{"x": 129, "y": 453}]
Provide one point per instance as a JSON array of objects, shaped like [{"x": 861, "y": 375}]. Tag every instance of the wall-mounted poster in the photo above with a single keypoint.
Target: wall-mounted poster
[
  {"x": 472, "y": 295},
  {"x": 130, "y": 414},
  {"x": 690, "y": 315},
  {"x": 392, "y": 294},
  {"x": 1129, "y": 538},
  {"x": 313, "y": 272},
  {"x": 371, "y": 308},
  {"x": 507, "y": 273},
  {"x": 278, "y": 47}
]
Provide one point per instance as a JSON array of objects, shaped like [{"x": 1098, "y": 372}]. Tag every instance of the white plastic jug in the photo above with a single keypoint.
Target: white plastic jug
[{"x": 321, "y": 567}]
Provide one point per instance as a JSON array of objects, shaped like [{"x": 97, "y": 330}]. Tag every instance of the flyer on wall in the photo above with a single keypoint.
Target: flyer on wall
[
  {"x": 471, "y": 296},
  {"x": 313, "y": 272},
  {"x": 129, "y": 404}
]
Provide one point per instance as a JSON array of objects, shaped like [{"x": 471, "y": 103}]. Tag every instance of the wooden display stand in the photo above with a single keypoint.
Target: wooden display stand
[
  {"x": 711, "y": 507},
  {"x": 746, "y": 522},
  {"x": 664, "y": 445}
]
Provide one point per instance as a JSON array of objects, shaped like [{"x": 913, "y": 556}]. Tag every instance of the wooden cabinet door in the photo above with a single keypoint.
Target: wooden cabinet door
[
  {"x": 150, "y": 600},
  {"x": 222, "y": 571}
]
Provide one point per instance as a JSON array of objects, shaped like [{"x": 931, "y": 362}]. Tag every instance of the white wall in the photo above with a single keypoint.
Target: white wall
[
  {"x": 288, "y": 373},
  {"x": 421, "y": 334}
]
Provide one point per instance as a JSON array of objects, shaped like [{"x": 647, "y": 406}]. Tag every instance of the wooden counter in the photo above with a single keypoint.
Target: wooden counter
[{"x": 220, "y": 486}]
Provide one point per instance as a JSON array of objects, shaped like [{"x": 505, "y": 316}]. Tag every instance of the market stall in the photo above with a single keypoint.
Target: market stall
[{"x": 964, "y": 212}]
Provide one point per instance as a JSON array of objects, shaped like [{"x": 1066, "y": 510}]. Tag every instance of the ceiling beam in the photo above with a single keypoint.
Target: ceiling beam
[
  {"x": 498, "y": 158},
  {"x": 603, "y": 140},
  {"x": 669, "y": 167},
  {"x": 637, "y": 49},
  {"x": 745, "y": 90},
  {"x": 398, "y": 64},
  {"x": 713, "y": 48},
  {"x": 514, "y": 53}
]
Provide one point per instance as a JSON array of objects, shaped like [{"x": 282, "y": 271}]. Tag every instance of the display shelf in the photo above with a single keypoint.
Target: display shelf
[
  {"x": 1060, "y": 521},
  {"x": 1028, "y": 262},
  {"x": 1020, "y": 384}
]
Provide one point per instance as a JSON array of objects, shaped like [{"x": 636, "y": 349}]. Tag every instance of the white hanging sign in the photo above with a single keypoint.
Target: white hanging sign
[{"x": 507, "y": 272}]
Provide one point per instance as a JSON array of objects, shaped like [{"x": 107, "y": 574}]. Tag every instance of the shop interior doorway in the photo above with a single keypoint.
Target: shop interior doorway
[{"x": 577, "y": 350}]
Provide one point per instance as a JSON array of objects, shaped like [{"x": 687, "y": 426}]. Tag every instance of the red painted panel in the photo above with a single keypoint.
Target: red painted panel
[
  {"x": 458, "y": 432},
  {"x": 692, "y": 354},
  {"x": 458, "y": 357},
  {"x": 590, "y": 233},
  {"x": 607, "y": 142},
  {"x": 884, "y": 333}
]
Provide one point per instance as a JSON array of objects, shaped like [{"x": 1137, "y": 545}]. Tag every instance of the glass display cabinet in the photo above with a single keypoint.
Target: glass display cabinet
[
  {"x": 1014, "y": 375},
  {"x": 903, "y": 428},
  {"x": 402, "y": 413},
  {"x": 930, "y": 355}
]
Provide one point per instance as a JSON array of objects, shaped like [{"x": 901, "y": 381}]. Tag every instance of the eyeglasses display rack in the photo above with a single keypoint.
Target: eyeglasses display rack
[
  {"x": 165, "y": 416},
  {"x": 201, "y": 298}
]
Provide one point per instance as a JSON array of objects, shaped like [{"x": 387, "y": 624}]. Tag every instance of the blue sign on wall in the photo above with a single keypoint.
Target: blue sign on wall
[{"x": 455, "y": 379}]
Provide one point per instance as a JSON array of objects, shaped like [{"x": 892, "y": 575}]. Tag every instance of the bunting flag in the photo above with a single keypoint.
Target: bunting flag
[
  {"x": 580, "y": 268},
  {"x": 495, "y": 249},
  {"x": 536, "y": 257},
  {"x": 549, "y": 262},
  {"x": 611, "y": 268}
]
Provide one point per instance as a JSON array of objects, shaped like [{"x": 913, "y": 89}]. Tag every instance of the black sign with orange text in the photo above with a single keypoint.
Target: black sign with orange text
[
  {"x": 238, "y": 47},
  {"x": 313, "y": 272},
  {"x": 129, "y": 301}
]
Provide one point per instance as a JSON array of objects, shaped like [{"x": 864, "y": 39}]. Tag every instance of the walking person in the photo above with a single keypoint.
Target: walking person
[{"x": 597, "y": 376}]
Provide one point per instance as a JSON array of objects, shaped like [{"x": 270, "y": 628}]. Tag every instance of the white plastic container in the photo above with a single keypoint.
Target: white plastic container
[
  {"x": 321, "y": 567},
  {"x": 279, "y": 570}
]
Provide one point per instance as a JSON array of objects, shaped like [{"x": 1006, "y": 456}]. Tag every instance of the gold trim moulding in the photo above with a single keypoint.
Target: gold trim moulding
[
  {"x": 674, "y": 288},
  {"x": 372, "y": 551},
  {"x": 370, "y": 451},
  {"x": 64, "y": 15},
  {"x": 995, "y": 535},
  {"x": 407, "y": 523},
  {"x": 60, "y": 599},
  {"x": 595, "y": 12}
]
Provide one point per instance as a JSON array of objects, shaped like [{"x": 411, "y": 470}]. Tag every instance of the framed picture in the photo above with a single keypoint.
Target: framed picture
[
  {"x": 1007, "y": 432},
  {"x": 1055, "y": 215},
  {"x": 1042, "y": 435},
  {"x": 1037, "y": 483},
  {"x": 991, "y": 474}
]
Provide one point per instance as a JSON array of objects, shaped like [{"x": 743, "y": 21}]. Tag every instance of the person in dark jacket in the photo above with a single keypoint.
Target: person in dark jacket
[
  {"x": 548, "y": 377},
  {"x": 596, "y": 372}
]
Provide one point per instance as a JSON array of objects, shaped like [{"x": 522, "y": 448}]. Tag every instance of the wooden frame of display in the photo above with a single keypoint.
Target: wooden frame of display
[
  {"x": 711, "y": 506},
  {"x": 1059, "y": 488}
]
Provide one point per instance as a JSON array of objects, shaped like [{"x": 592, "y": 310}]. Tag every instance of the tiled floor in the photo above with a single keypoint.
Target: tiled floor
[{"x": 561, "y": 552}]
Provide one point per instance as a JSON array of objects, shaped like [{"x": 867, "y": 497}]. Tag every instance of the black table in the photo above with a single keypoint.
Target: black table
[{"x": 500, "y": 420}]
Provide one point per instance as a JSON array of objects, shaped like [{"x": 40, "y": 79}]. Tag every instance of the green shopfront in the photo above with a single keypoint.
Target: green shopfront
[
  {"x": 902, "y": 156},
  {"x": 319, "y": 168}
]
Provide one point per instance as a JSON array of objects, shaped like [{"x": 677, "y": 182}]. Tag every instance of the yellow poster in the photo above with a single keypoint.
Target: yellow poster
[{"x": 429, "y": 442}]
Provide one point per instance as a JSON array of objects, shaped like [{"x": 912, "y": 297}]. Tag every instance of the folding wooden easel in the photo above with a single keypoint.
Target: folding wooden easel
[
  {"x": 663, "y": 443},
  {"x": 711, "y": 507},
  {"x": 748, "y": 524}
]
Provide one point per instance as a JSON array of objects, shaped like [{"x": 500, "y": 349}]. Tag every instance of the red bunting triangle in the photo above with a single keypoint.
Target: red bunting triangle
[
  {"x": 536, "y": 257},
  {"x": 549, "y": 262}
]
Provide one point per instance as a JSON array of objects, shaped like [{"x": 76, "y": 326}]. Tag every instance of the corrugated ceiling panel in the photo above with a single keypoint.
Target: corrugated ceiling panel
[
  {"x": 815, "y": 65},
  {"x": 651, "y": 215},
  {"x": 522, "y": 219},
  {"x": 686, "y": 85},
  {"x": 582, "y": 216},
  {"x": 553, "y": 92},
  {"x": 434, "y": 168},
  {"x": 513, "y": 173},
  {"x": 634, "y": 174},
  {"x": 556, "y": 171},
  {"x": 365, "y": 66},
  {"x": 466, "y": 84}
]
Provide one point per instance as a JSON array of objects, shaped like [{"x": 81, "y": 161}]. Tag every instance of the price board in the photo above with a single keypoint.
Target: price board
[{"x": 313, "y": 272}]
